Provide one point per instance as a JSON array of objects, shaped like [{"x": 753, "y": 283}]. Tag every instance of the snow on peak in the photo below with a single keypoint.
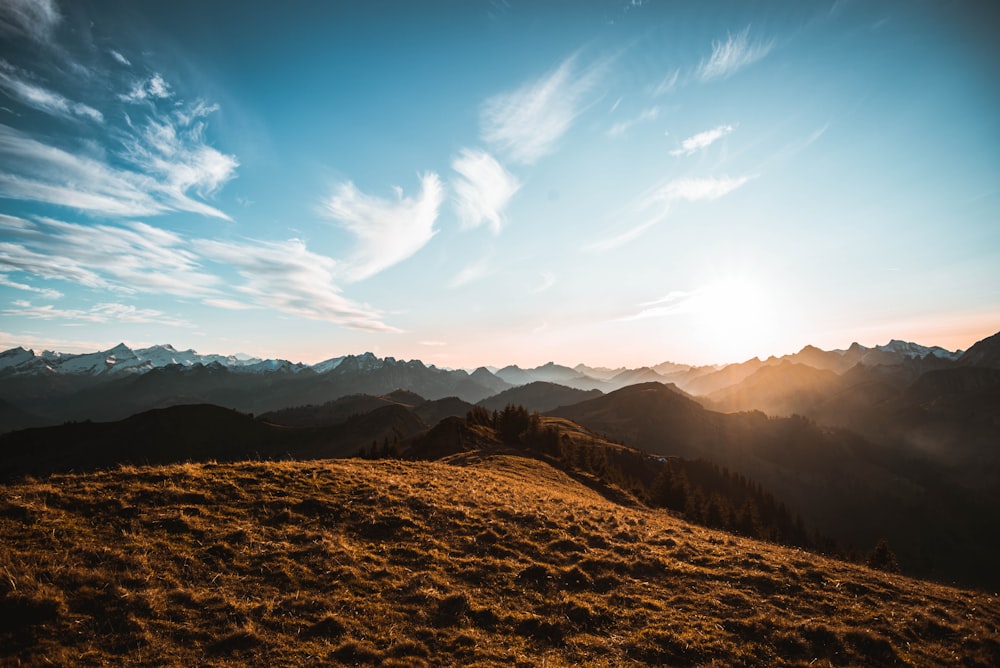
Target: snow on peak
[
  {"x": 328, "y": 365},
  {"x": 916, "y": 351},
  {"x": 16, "y": 357}
]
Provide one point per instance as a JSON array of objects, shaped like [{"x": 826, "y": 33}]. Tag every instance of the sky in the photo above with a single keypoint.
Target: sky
[{"x": 490, "y": 183}]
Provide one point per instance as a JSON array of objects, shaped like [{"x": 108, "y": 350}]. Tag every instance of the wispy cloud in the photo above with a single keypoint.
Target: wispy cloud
[
  {"x": 129, "y": 259},
  {"x": 286, "y": 276},
  {"x": 674, "y": 303},
  {"x": 35, "y": 19},
  {"x": 139, "y": 258},
  {"x": 619, "y": 129},
  {"x": 471, "y": 273},
  {"x": 695, "y": 143},
  {"x": 38, "y": 97},
  {"x": 99, "y": 313},
  {"x": 528, "y": 122},
  {"x": 120, "y": 58},
  {"x": 228, "y": 304},
  {"x": 172, "y": 160},
  {"x": 624, "y": 237},
  {"x": 387, "y": 231},
  {"x": 732, "y": 54},
  {"x": 482, "y": 190},
  {"x": 154, "y": 87},
  {"x": 48, "y": 293},
  {"x": 654, "y": 205},
  {"x": 666, "y": 85},
  {"x": 694, "y": 189},
  {"x": 174, "y": 150}
]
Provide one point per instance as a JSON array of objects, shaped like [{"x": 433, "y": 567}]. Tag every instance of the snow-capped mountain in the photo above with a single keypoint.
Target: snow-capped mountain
[
  {"x": 165, "y": 354},
  {"x": 917, "y": 351},
  {"x": 120, "y": 360},
  {"x": 328, "y": 365},
  {"x": 16, "y": 357}
]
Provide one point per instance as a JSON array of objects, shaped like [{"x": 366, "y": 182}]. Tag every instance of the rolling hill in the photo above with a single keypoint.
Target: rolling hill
[
  {"x": 476, "y": 560},
  {"x": 538, "y": 396}
]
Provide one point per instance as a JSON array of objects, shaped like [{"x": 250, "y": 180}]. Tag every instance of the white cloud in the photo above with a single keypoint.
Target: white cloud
[
  {"x": 99, "y": 313},
  {"x": 483, "y": 189},
  {"x": 666, "y": 85},
  {"x": 471, "y": 273},
  {"x": 731, "y": 55},
  {"x": 177, "y": 153},
  {"x": 154, "y": 87},
  {"x": 33, "y": 18},
  {"x": 624, "y": 237},
  {"x": 702, "y": 140},
  {"x": 228, "y": 304},
  {"x": 48, "y": 293},
  {"x": 32, "y": 170},
  {"x": 526, "y": 123},
  {"x": 139, "y": 258},
  {"x": 693, "y": 190},
  {"x": 120, "y": 58},
  {"x": 655, "y": 205},
  {"x": 619, "y": 129},
  {"x": 286, "y": 276},
  {"x": 17, "y": 258},
  {"x": 674, "y": 303},
  {"x": 387, "y": 231},
  {"x": 134, "y": 258},
  {"x": 33, "y": 95}
]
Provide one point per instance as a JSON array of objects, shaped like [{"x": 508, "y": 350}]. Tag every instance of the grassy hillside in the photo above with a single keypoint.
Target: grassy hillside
[{"x": 488, "y": 560}]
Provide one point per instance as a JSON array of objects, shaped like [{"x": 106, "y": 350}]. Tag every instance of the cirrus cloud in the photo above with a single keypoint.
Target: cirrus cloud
[
  {"x": 702, "y": 140},
  {"x": 482, "y": 190},
  {"x": 386, "y": 231},
  {"x": 731, "y": 55},
  {"x": 527, "y": 122},
  {"x": 288, "y": 277}
]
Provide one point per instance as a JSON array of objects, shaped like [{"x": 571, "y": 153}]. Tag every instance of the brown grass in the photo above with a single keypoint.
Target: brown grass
[{"x": 477, "y": 561}]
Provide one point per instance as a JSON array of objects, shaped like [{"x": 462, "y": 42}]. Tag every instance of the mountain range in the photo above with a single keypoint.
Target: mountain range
[
  {"x": 51, "y": 387},
  {"x": 896, "y": 441}
]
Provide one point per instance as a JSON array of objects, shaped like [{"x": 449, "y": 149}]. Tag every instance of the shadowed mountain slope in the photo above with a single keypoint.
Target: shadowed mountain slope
[
  {"x": 781, "y": 389},
  {"x": 845, "y": 486},
  {"x": 985, "y": 353},
  {"x": 195, "y": 432},
  {"x": 274, "y": 387},
  {"x": 481, "y": 560},
  {"x": 339, "y": 410},
  {"x": 13, "y": 417},
  {"x": 538, "y": 396}
]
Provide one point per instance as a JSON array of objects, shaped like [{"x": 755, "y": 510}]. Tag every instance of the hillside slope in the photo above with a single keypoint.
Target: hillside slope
[
  {"x": 480, "y": 560},
  {"x": 199, "y": 432},
  {"x": 847, "y": 487}
]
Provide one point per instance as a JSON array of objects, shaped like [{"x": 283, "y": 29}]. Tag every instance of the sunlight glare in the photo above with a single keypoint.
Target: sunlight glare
[{"x": 736, "y": 319}]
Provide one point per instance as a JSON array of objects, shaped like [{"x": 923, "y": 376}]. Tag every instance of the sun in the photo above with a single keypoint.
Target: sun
[{"x": 736, "y": 319}]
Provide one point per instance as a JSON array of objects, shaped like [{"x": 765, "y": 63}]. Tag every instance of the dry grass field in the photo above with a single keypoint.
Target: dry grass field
[{"x": 476, "y": 560}]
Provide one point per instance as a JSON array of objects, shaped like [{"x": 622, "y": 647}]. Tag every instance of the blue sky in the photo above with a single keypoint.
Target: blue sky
[{"x": 616, "y": 183}]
